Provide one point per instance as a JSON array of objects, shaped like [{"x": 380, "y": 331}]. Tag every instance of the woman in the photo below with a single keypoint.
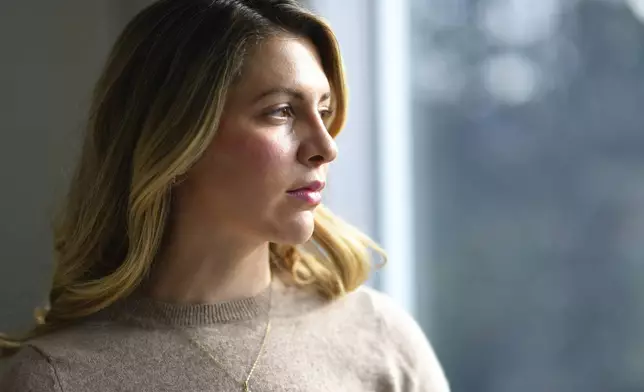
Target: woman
[{"x": 193, "y": 253}]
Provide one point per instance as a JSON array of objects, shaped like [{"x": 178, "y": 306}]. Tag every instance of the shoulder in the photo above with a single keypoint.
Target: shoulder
[
  {"x": 407, "y": 343},
  {"x": 30, "y": 370},
  {"x": 399, "y": 326},
  {"x": 58, "y": 358},
  {"x": 396, "y": 323}
]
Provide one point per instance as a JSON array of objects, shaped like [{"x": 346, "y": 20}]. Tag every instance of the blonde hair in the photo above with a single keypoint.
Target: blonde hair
[{"x": 155, "y": 110}]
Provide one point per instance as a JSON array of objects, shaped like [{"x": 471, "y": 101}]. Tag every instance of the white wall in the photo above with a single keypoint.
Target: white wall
[
  {"x": 372, "y": 185},
  {"x": 351, "y": 191}
]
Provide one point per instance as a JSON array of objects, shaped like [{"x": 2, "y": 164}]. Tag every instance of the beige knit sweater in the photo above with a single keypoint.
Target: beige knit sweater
[{"x": 361, "y": 342}]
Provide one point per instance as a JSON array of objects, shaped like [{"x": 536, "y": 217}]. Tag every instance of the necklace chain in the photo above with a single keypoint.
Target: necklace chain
[{"x": 245, "y": 383}]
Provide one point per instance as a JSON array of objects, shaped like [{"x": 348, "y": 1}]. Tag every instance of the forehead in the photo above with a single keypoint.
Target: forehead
[{"x": 283, "y": 61}]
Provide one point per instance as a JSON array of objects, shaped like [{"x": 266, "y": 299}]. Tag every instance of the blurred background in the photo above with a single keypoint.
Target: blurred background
[{"x": 494, "y": 147}]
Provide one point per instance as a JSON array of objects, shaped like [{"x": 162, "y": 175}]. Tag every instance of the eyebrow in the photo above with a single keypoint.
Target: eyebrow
[{"x": 289, "y": 91}]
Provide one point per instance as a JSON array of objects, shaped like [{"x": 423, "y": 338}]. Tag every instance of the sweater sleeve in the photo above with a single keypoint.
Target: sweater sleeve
[
  {"x": 29, "y": 371},
  {"x": 416, "y": 362}
]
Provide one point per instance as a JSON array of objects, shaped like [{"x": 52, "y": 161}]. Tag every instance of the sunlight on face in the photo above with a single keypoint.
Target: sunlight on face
[{"x": 271, "y": 141}]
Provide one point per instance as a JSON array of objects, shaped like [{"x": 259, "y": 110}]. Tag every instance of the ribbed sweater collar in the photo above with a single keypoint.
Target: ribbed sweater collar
[{"x": 146, "y": 309}]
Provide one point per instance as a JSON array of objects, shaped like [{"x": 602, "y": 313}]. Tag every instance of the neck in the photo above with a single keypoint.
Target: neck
[{"x": 194, "y": 269}]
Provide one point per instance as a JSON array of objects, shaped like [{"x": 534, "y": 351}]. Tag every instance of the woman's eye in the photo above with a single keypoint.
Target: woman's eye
[
  {"x": 283, "y": 112},
  {"x": 286, "y": 112},
  {"x": 326, "y": 113}
]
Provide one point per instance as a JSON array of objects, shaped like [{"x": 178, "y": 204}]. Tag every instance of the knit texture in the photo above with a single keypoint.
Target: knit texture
[{"x": 360, "y": 342}]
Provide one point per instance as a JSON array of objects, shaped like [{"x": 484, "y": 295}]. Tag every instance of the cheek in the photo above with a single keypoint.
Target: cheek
[
  {"x": 254, "y": 150},
  {"x": 255, "y": 159}
]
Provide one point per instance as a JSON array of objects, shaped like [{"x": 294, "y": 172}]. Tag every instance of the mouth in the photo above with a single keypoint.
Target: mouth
[{"x": 310, "y": 193}]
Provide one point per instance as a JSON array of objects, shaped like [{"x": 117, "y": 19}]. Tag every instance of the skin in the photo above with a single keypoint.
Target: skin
[{"x": 234, "y": 201}]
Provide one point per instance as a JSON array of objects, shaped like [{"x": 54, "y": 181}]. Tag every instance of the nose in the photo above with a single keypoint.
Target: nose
[{"x": 317, "y": 147}]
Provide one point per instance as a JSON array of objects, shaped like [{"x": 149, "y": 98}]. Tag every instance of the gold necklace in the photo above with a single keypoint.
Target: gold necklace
[{"x": 245, "y": 383}]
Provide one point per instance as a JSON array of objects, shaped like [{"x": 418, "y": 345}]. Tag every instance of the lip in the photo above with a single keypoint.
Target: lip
[
  {"x": 313, "y": 186},
  {"x": 311, "y": 193}
]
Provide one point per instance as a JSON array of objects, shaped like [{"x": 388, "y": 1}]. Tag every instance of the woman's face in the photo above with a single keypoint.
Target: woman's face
[{"x": 271, "y": 141}]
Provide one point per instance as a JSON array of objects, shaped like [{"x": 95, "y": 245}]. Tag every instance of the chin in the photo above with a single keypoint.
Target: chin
[{"x": 296, "y": 231}]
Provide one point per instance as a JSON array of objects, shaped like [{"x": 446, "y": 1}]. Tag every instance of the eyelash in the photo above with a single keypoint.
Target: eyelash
[
  {"x": 325, "y": 113},
  {"x": 279, "y": 112}
]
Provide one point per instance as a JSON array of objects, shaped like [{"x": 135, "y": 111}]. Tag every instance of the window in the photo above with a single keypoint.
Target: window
[{"x": 505, "y": 172}]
